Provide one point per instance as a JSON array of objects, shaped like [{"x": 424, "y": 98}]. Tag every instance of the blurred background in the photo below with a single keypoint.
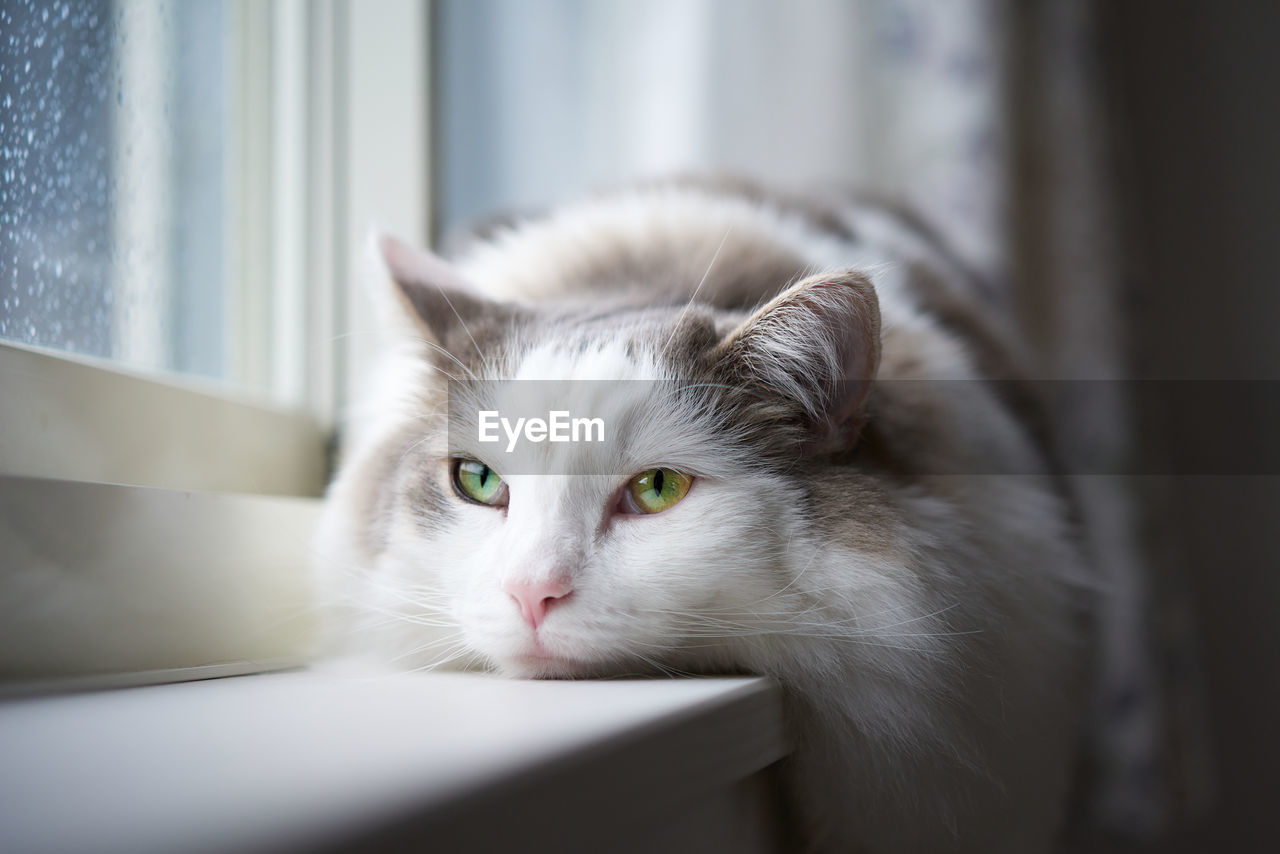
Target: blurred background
[{"x": 185, "y": 185}]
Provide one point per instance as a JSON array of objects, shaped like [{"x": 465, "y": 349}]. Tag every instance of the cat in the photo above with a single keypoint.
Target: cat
[{"x": 816, "y": 484}]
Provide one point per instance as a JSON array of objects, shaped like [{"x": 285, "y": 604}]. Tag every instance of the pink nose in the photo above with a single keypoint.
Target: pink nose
[{"x": 535, "y": 597}]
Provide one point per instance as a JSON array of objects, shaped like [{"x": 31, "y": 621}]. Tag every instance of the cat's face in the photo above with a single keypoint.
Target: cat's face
[
  {"x": 581, "y": 558},
  {"x": 661, "y": 546}
]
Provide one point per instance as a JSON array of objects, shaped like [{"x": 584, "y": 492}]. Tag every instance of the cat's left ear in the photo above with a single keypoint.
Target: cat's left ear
[{"x": 817, "y": 345}]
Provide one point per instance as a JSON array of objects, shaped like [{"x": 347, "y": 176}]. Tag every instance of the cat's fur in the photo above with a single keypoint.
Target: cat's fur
[{"x": 898, "y": 558}]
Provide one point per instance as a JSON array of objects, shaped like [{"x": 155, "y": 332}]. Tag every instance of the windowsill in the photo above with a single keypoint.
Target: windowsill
[
  {"x": 96, "y": 579},
  {"x": 311, "y": 761}
]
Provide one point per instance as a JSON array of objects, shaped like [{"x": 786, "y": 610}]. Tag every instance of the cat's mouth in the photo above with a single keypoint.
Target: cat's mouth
[
  {"x": 535, "y": 660},
  {"x": 541, "y": 664}
]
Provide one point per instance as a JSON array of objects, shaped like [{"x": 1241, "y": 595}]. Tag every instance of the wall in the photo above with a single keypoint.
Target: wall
[{"x": 1193, "y": 85}]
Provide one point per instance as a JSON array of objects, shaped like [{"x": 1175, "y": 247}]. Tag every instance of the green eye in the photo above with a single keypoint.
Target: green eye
[
  {"x": 476, "y": 481},
  {"x": 656, "y": 490}
]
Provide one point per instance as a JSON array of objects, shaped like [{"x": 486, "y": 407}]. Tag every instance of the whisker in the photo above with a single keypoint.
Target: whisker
[
  {"x": 442, "y": 351},
  {"x": 461, "y": 322},
  {"x": 694, "y": 295}
]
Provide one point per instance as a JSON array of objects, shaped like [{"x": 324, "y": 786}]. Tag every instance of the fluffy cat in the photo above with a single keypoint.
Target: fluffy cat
[{"x": 816, "y": 484}]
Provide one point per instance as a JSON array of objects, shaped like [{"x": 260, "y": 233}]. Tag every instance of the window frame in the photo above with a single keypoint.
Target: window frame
[{"x": 314, "y": 165}]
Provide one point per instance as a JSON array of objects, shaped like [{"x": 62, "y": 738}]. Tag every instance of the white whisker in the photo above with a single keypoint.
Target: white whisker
[
  {"x": 693, "y": 297},
  {"x": 461, "y": 322}
]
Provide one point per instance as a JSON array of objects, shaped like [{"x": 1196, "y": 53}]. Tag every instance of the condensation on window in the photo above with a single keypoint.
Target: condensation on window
[{"x": 113, "y": 177}]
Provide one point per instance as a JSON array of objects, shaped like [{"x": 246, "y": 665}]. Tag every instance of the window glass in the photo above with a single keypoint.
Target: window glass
[{"x": 115, "y": 180}]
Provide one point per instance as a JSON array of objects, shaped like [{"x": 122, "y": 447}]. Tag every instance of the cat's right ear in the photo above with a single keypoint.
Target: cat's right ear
[{"x": 421, "y": 293}]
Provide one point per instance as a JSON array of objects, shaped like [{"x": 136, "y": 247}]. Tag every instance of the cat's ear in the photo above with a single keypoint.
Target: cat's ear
[
  {"x": 422, "y": 292},
  {"x": 817, "y": 345}
]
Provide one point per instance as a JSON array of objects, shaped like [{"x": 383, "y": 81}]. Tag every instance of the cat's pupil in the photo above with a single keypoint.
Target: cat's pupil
[
  {"x": 657, "y": 481},
  {"x": 484, "y": 476}
]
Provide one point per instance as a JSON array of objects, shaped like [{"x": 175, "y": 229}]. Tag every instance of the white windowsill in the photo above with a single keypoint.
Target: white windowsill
[{"x": 309, "y": 761}]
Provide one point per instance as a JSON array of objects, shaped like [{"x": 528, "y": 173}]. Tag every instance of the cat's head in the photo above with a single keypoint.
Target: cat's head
[{"x": 656, "y": 545}]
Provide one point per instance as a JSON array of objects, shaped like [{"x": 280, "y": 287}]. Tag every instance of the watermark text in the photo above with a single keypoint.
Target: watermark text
[{"x": 558, "y": 426}]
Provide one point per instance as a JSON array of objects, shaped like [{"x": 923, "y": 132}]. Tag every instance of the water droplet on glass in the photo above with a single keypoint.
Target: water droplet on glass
[{"x": 98, "y": 198}]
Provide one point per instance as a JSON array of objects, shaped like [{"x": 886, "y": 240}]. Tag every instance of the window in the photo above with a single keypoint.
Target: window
[
  {"x": 187, "y": 188},
  {"x": 126, "y": 129}
]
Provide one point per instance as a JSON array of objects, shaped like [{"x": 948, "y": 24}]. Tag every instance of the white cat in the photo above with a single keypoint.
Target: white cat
[{"x": 810, "y": 479}]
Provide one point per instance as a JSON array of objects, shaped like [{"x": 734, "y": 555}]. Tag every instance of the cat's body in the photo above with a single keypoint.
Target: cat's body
[{"x": 894, "y": 553}]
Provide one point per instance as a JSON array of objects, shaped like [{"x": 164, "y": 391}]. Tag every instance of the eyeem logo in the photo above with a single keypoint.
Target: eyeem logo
[{"x": 558, "y": 426}]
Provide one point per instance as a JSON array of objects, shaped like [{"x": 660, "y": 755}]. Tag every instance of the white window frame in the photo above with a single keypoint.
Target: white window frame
[{"x": 127, "y": 556}]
